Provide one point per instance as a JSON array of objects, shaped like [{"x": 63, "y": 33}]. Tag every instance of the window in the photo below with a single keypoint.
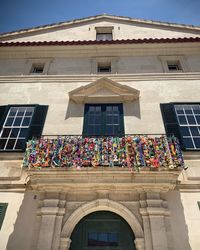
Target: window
[
  {"x": 104, "y": 36},
  {"x": 20, "y": 123},
  {"x": 103, "y": 239},
  {"x": 183, "y": 120},
  {"x": 104, "y": 33},
  {"x": 37, "y": 69},
  {"x": 3, "y": 207},
  {"x": 174, "y": 66},
  {"x": 104, "y": 67},
  {"x": 103, "y": 120}
]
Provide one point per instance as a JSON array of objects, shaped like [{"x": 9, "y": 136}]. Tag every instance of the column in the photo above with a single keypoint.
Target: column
[{"x": 48, "y": 213}]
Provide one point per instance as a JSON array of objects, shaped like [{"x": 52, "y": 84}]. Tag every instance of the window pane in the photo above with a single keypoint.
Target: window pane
[
  {"x": 109, "y": 130},
  {"x": 194, "y": 131},
  {"x": 29, "y": 111},
  {"x": 109, "y": 119},
  {"x": 6, "y": 132},
  {"x": 14, "y": 132},
  {"x": 198, "y": 119},
  {"x": 196, "y": 109},
  {"x": 197, "y": 142},
  {"x": 191, "y": 119},
  {"x": 2, "y": 143},
  {"x": 185, "y": 131},
  {"x": 21, "y": 111},
  {"x": 182, "y": 119},
  {"x": 17, "y": 121},
  {"x": 26, "y": 121},
  {"x": 23, "y": 132},
  {"x": 9, "y": 121},
  {"x": 103, "y": 237},
  {"x": 116, "y": 119},
  {"x": 180, "y": 111},
  {"x": 13, "y": 111},
  {"x": 97, "y": 119},
  {"x": 188, "y": 109},
  {"x": 10, "y": 144},
  {"x": 20, "y": 144},
  {"x": 97, "y": 130},
  {"x": 188, "y": 143},
  {"x": 91, "y": 119}
]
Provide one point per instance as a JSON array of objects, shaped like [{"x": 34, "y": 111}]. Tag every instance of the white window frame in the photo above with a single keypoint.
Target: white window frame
[
  {"x": 180, "y": 60},
  {"x": 37, "y": 61}
]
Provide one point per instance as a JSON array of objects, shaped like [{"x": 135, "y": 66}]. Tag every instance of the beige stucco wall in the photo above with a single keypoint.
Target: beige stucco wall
[
  {"x": 121, "y": 30},
  {"x": 18, "y": 225},
  {"x": 66, "y": 117},
  {"x": 86, "y": 65}
]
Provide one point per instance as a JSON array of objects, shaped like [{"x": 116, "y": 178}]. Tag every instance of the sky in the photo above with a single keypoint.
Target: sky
[{"x": 22, "y": 14}]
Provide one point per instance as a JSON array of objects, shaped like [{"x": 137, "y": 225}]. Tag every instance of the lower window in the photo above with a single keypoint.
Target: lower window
[
  {"x": 103, "y": 120},
  {"x": 15, "y": 128},
  {"x": 18, "y": 123},
  {"x": 189, "y": 123},
  {"x": 183, "y": 120}
]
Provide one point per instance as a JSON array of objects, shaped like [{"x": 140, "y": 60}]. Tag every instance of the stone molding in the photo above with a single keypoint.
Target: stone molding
[{"x": 99, "y": 205}]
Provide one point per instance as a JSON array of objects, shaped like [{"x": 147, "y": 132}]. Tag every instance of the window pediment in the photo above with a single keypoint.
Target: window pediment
[{"x": 104, "y": 90}]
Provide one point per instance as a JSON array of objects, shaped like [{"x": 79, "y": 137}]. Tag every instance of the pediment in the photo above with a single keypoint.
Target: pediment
[
  {"x": 104, "y": 90},
  {"x": 85, "y": 29}
]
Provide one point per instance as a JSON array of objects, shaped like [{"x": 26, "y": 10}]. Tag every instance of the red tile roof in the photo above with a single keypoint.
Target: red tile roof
[{"x": 128, "y": 41}]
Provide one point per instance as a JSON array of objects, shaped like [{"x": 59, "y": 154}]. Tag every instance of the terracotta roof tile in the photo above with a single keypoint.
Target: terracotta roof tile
[{"x": 128, "y": 41}]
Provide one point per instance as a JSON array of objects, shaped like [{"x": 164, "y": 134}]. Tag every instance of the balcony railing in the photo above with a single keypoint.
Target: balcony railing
[{"x": 137, "y": 152}]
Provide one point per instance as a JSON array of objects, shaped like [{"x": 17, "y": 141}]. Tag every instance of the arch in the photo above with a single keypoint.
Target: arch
[{"x": 100, "y": 205}]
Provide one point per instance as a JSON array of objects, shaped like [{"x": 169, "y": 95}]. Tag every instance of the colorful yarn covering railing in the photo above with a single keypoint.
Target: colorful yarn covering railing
[
  {"x": 132, "y": 151},
  {"x": 135, "y": 152}
]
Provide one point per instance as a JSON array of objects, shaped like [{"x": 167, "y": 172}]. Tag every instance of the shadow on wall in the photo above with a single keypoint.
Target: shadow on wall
[
  {"x": 77, "y": 110},
  {"x": 132, "y": 109},
  {"x": 22, "y": 236},
  {"x": 178, "y": 224},
  {"x": 74, "y": 110}
]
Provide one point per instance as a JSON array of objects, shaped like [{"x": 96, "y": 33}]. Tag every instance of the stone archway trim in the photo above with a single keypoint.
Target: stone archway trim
[{"x": 100, "y": 205}]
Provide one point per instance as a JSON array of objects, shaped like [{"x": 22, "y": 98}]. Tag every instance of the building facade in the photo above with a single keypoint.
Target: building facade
[{"x": 100, "y": 136}]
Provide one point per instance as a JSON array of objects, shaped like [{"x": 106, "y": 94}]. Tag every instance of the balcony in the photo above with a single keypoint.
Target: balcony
[{"x": 135, "y": 152}]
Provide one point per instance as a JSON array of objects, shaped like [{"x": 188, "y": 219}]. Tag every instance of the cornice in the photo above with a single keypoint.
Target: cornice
[{"x": 56, "y": 79}]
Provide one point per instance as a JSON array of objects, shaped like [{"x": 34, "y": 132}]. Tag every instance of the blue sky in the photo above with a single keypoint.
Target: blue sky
[{"x": 20, "y": 14}]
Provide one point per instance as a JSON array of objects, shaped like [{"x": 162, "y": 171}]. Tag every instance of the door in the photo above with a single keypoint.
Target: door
[{"x": 102, "y": 231}]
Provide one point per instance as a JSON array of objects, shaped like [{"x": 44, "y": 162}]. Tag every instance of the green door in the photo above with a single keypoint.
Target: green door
[{"x": 102, "y": 231}]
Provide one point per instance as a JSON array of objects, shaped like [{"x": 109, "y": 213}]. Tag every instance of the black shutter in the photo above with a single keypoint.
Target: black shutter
[
  {"x": 85, "y": 122},
  {"x": 3, "y": 113},
  {"x": 171, "y": 122},
  {"x": 37, "y": 122},
  {"x": 3, "y": 207},
  {"x": 121, "y": 120}
]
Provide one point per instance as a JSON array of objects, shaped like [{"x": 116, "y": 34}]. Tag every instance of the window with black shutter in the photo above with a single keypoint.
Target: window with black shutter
[
  {"x": 20, "y": 123},
  {"x": 3, "y": 207},
  {"x": 183, "y": 120},
  {"x": 103, "y": 120}
]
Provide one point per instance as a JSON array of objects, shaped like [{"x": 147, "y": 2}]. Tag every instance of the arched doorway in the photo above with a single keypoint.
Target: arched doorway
[{"x": 102, "y": 230}]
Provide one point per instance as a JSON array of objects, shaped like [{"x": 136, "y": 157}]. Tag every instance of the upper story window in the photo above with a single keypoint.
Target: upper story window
[
  {"x": 183, "y": 120},
  {"x": 103, "y": 120},
  {"x": 174, "y": 66},
  {"x": 104, "y": 67},
  {"x": 104, "y": 33},
  {"x": 20, "y": 123},
  {"x": 37, "y": 68}
]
